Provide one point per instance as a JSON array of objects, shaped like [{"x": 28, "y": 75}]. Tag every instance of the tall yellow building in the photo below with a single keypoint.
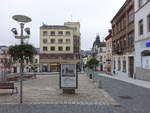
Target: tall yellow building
[{"x": 59, "y": 44}]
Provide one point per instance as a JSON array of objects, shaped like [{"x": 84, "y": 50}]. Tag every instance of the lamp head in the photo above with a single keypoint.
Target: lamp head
[
  {"x": 14, "y": 30},
  {"x": 27, "y": 30}
]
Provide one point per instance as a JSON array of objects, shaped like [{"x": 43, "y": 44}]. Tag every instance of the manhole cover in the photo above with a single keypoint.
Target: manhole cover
[
  {"x": 125, "y": 97},
  {"x": 117, "y": 105}
]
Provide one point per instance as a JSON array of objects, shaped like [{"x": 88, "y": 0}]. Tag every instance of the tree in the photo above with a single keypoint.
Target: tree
[
  {"x": 23, "y": 52},
  {"x": 92, "y": 63}
]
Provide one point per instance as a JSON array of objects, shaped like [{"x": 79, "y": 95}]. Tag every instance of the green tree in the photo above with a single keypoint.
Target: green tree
[
  {"x": 22, "y": 52},
  {"x": 92, "y": 63}
]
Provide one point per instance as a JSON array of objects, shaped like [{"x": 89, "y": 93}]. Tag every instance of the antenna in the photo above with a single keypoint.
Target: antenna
[{"x": 71, "y": 17}]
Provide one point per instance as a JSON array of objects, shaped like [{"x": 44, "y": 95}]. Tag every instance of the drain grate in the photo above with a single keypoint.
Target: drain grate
[{"x": 125, "y": 97}]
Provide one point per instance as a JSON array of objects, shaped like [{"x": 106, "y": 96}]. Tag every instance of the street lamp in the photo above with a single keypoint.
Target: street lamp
[{"x": 22, "y": 20}]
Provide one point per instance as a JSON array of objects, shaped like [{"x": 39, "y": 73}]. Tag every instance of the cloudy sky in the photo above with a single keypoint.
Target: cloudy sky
[{"x": 93, "y": 15}]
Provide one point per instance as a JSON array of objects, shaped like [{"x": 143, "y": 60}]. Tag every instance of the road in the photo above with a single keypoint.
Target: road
[{"x": 132, "y": 98}]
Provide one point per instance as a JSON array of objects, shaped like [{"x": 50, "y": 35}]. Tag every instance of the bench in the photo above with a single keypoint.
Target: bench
[
  {"x": 13, "y": 78},
  {"x": 29, "y": 76},
  {"x": 7, "y": 85}
]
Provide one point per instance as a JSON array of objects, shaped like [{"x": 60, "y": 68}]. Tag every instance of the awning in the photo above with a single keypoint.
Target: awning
[{"x": 54, "y": 64}]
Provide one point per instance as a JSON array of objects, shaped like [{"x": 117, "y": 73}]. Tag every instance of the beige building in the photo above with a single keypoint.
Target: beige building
[
  {"x": 108, "y": 65},
  {"x": 59, "y": 44}
]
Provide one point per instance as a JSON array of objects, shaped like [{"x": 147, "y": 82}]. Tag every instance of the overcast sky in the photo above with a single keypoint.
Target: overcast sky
[{"x": 93, "y": 15}]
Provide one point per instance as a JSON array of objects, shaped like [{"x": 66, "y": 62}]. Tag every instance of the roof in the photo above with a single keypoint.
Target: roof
[
  {"x": 108, "y": 37},
  {"x": 3, "y": 46},
  {"x": 55, "y": 27},
  {"x": 102, "y": 44},
  {"x": 120, "y": 10}
]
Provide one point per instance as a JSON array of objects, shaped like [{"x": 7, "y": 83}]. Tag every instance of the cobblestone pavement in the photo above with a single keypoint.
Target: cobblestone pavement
[
  {"x": 45, "y": 90},
  {"x": 64, "y": 108},
  {"x": 132, "y": 98},
  {"x": 128, "y": 98}
]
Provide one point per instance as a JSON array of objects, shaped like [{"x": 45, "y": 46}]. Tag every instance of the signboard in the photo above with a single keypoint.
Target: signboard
[
  {"x": 68, "y": 76},
  {"x": 148, "y": 44}
]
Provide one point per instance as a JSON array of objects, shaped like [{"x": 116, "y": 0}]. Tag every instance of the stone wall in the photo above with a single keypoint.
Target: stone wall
[{"x": 142, "y": 74}]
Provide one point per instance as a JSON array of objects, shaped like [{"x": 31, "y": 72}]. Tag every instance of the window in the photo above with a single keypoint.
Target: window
[
  {"x": 119, "y": 65},
  {"x": 67, "y": 40},
  {"x": 36, "y": 60},
  {"x": 52, "y": 40},
  {"x": 131, "y": 39},
  {"x": 60, "y": 41},
  {"x": 124, "y": 66},
  {"x": 52, "y": 48},
  {"x": 101, "y": 58},
  {"x": 60, "y": 48},
  {"x": 45, "y": 33},
  {"x": 44, "y": 48},
  {"x": 44, "y": 41},
  {"x": 67, "y": 48},
  {"x": 131, "y": 16},
  {"x": 141, "y": 27},
  {"x": 68, "y": 33},
  {"x": 114, "y": 64},
  {"x": 140, "y": 3},
  {"x": 27, "y": 61},
  {"x": 125, "y": 43},
  {"x": 60, "y": 33},
  {"x": 148, "y": 22},
  {"x": 52, "y": 33}
]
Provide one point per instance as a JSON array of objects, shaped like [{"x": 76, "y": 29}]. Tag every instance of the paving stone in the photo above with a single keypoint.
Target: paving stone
[{"x": 45, "y": 90}]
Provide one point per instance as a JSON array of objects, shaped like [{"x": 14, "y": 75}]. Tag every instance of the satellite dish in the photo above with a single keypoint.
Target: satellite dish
[{"x": 22, "y": 18}]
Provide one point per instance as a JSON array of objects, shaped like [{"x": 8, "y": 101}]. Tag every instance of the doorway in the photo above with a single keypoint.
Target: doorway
[{"x": 131, "y": 66}]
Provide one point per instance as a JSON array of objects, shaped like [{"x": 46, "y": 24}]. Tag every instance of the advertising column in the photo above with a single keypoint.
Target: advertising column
[{"x": 68, "y": 78}]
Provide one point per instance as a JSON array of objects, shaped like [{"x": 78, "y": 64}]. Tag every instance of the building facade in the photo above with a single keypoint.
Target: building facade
[
  {"x": 101, "y": 57},
  {"x": 108, "y": 65},
  {"x": 99, "y": 52},
  {"x": 59, "y": 44},
  {"x": 123, "y": 40},
  {"x": 142, "y": 39},
  {"x": 6, "y": 64}
]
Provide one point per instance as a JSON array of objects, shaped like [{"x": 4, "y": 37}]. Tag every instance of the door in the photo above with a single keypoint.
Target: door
[{"x": 131, "y": 66}]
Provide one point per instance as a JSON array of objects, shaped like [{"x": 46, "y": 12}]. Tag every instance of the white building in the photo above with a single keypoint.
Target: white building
[
  {"x": 142, "y": 39},
  {"x": 101, "y": 57}
]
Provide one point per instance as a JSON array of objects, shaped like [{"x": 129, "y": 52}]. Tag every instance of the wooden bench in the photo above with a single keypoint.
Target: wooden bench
[
  {"x": 29, "y": 76},
  {"x": 13, "y": 78},
  {"x": 7, "y": 85}
]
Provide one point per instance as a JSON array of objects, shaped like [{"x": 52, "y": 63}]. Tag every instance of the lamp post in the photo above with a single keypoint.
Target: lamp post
[{"x": 22, "y": 20}]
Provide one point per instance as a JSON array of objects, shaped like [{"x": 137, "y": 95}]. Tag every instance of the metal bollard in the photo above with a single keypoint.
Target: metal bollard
[{"x": 100, "y": 84}]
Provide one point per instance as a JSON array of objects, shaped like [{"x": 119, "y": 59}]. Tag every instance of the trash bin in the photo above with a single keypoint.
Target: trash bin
[{"x": 90, "y": 76}]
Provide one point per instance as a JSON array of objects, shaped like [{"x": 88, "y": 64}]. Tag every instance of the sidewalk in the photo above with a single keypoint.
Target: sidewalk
[
  {"x": 45, "y": 90},
  {"x": 141, "y": 83}
]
